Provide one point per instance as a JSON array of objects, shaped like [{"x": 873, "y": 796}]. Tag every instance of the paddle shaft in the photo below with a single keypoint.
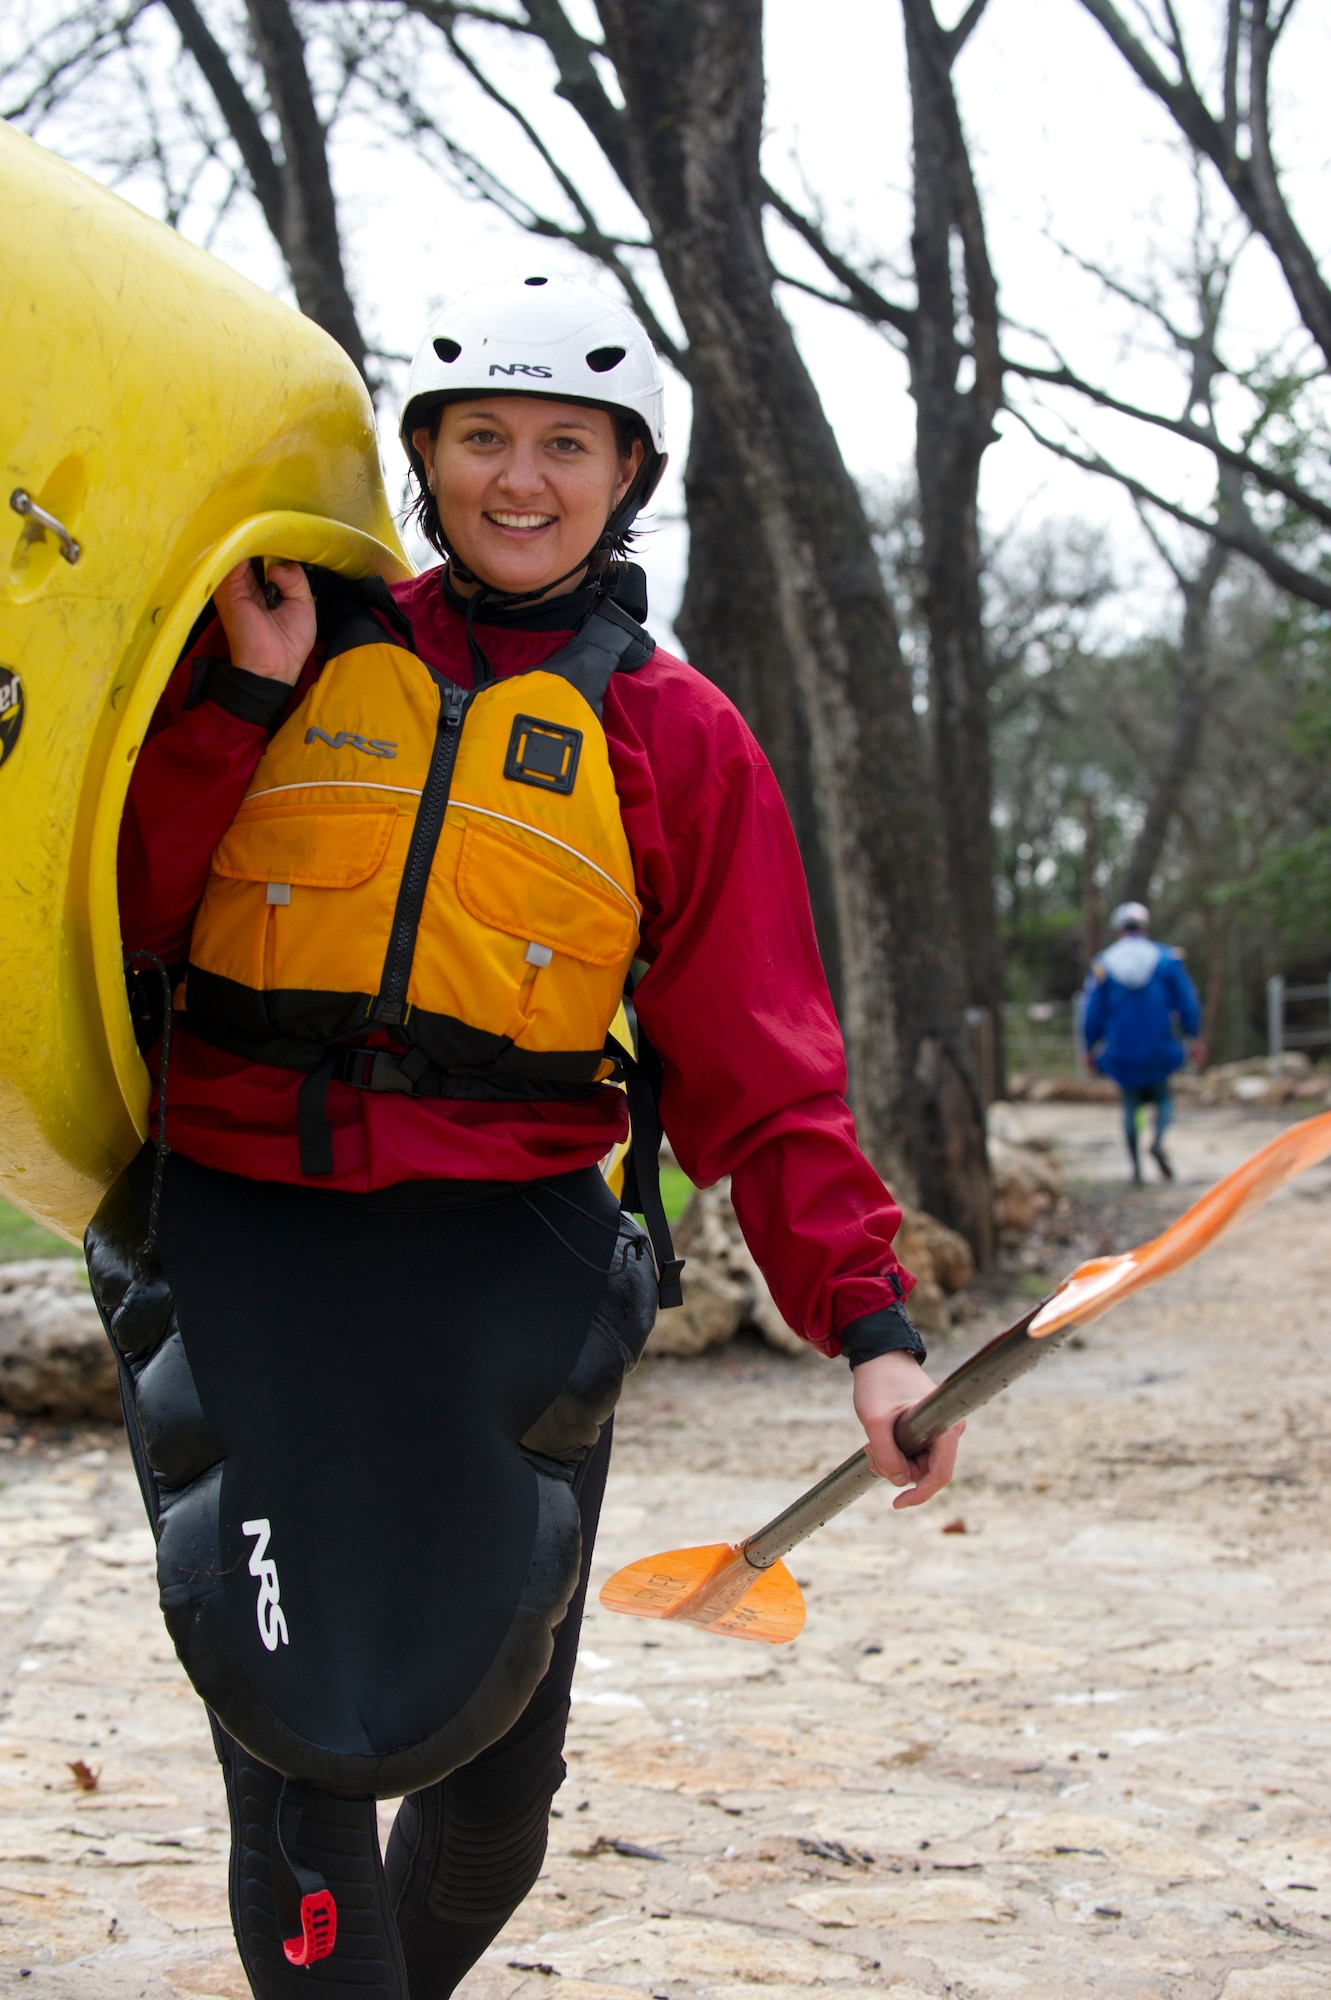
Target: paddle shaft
[{"x": 968, "y": 1388}]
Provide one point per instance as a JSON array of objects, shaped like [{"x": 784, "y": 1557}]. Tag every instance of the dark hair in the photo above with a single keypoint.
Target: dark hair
[{"x": 424, "y": 511}]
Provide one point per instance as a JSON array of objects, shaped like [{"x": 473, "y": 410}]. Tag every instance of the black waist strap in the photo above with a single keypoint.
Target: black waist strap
[
  {"x": 410, "y": 1073},
  {"x": 413, "y": 1074}
]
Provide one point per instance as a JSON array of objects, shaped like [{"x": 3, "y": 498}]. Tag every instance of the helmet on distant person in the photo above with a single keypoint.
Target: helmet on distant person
[
  {"x": 1131, "y": 917},
  {"x": 552, "y": 337}
]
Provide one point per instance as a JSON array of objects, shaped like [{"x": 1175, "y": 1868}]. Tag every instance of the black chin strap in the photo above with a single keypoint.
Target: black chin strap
[{"x": 507, "y": 600}]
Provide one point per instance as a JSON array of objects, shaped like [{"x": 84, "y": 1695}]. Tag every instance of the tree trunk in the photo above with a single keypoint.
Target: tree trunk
[
  {"x": 1217, "y": 979},
  {"x": 295, "y": 191},
  {"x": 1090, "y": 888},
  {"x": 1189, "y": 719},
  {"x": 731, "y": 623},
  {"x": 954, "y": 426},
  {"x": 309, "y": 237},
  {"x": 691, "y": 74}
]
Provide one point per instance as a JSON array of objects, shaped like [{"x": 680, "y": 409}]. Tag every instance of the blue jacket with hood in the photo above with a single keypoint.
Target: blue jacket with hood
[{"x": 1135, "y": 993}]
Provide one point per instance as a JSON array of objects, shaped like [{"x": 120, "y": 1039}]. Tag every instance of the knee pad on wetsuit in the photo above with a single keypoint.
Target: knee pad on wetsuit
[
  {"x": 367, "y": 1531},
  {"x": 467, "y": 1850}
]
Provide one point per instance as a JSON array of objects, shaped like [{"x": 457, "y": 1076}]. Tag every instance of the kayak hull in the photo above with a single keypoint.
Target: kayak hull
[{"x": 174, "y": 418}]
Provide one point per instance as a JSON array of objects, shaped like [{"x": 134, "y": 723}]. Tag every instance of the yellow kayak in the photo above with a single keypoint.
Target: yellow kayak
[{"x": 162, "y": 419}]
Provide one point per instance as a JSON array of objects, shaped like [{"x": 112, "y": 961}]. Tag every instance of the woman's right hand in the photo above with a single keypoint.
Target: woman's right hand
[{"x": 276, "y": 643}]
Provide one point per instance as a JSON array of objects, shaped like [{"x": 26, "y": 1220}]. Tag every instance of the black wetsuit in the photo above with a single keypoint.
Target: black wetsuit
[{"x": 372, "y": 1433}]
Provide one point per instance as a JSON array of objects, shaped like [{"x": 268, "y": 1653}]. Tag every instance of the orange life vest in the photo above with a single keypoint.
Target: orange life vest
[{"x": 450, "y": 868}]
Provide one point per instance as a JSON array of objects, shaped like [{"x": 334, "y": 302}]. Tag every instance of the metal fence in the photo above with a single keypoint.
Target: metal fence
[{"x": 1305, "y": 1031}]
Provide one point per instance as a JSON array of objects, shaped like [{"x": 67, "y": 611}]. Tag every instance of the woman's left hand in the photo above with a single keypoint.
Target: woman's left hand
[{"x": 882, "y": 1390}]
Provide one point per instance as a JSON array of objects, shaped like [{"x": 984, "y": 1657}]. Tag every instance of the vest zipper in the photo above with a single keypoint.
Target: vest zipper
[{"x": 390, "y": 1007}]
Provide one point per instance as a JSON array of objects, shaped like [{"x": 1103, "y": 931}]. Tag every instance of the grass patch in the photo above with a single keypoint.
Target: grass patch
[
  {"x": 676, "y": 1191},
  {"x": 20, "y": 1238}
]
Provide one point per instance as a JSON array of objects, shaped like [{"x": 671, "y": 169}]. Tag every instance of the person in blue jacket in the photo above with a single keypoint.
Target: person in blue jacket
[{"x": 1137, "y": 1005}]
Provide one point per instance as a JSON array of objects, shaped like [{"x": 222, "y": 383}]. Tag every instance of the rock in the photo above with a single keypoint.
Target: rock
[
  {"x": 55, "y": 1359},
  {"x": 1071, "y": 1089},
  {"x": 1027, "y": 1183},
  {"x": 1257, "y": 1082},
  {"x": 939, "y": 1260},
  {"x": 724, "y": 1289},
  {"x": 923, "y": 1237},
  {"x": 713, "y": 1309}
]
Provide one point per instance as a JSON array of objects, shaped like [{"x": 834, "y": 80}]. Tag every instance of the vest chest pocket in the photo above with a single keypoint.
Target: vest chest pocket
[
  {"x": 336, "y": 846},
  {"x": 298, "y": 896},
  {"x": 545, "y": 944},
  {"x": 532, "y": 895}
]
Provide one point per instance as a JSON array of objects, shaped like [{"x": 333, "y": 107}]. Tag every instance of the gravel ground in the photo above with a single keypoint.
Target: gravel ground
[{"x": 1079, "y": 1748}]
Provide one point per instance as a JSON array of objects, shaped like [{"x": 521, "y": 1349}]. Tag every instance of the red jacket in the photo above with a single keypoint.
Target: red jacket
[{"x": 735, "y": 999}]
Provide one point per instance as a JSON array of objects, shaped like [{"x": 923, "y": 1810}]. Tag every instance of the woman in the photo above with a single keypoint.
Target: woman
[{"x": 375, "y": 1311}]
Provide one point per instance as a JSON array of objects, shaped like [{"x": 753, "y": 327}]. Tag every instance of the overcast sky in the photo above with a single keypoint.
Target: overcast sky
[{"x": 1067, "y": 148}]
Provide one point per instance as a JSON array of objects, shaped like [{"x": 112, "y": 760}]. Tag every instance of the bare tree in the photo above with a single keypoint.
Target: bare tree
[
  {"x": 950, "y": 334},
  {"x": 1269, "y": 508},
  {"x": 953, "y": 333},
  {"x": 1235, "y": 136}
]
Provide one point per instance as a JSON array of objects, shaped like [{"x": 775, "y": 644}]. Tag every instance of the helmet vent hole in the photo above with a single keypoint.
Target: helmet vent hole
[
  {"x": 602, "y": 359},
  {"x": 536, "y": 281},
  {"x": 447, "y": 350}
]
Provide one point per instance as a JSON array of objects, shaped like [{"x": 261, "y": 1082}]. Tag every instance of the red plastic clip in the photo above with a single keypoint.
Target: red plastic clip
[{"x": 318, "y": 1929}]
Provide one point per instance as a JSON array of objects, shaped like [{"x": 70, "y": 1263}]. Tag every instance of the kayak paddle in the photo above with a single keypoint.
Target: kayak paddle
[{"x": 744, "y": 1590}]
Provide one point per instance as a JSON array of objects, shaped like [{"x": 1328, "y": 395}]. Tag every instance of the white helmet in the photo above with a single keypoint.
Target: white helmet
[
  {"x": 1131, "y": 916},
  {"x": 539, "y": 337}
]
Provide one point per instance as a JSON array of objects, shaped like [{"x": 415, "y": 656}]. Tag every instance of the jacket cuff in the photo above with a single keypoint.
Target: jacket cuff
[
  {"x": 249, "y": 697},
  {"x": 888, "y": 1331}
]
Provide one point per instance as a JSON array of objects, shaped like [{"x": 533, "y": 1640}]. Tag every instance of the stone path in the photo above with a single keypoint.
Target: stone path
[{"x": 1082, "y": 1748}]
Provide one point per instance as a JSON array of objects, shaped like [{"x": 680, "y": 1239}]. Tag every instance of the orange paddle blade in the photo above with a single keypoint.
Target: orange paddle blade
[
  {"x": 714, "y": 1588},
  {"x": 1103, "y": 1282}
]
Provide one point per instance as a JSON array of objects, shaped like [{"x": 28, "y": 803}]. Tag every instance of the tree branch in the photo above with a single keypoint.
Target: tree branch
[
  {"x": 88, "y": 53},
  {"x": 1252, "y": 182},
  {"x": 580, "y": 86},
  {"x": 863, "y": 298},
  {"x": 1271, "y": 480},
  {"x": 591, "y": 239},
  {"x": 241, "y": 119},
  {"x": 1241, "y": 536},
  {"x": 955, "y": 39}
]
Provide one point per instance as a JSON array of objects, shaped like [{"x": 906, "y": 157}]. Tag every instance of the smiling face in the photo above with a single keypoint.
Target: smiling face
[{"x": 524, "y": 487}]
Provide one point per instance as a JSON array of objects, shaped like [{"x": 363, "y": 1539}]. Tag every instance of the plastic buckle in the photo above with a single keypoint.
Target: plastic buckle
[
  {"x": 356, "y": 1068},
  {"x": 318, "y": 1929},
  {"x": 669, "y": 1291}
]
